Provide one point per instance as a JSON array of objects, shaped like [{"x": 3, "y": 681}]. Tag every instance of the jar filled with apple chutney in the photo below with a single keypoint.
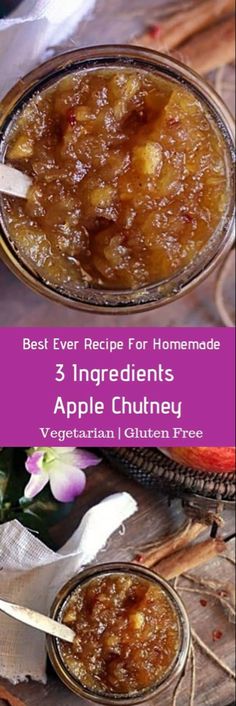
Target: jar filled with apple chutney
[
  {"x": 131, "y": 634},
  {"x": 130, "y": 158}
]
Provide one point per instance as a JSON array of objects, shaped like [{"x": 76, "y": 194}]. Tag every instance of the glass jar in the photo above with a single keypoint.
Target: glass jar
[
  {"x": 153, "y": 295},
  {"x": 113, "y": 699}
]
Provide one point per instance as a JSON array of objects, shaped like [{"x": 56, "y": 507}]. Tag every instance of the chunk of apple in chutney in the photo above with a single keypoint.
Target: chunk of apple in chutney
[{"x": 129, "y": 179}]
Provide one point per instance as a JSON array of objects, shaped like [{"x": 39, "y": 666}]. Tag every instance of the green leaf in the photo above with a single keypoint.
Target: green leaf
[
  {"x": 5, "y": 466},
  {"x": 3, "y": 485},
  {"x": 46, "y": 507},
  {"x": 13, "y": 475},
  {"x": 39, "y": 513}
]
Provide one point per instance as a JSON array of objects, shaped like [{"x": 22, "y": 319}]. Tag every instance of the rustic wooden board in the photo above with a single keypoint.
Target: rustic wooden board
[
  {"x": 123, "y": 20},
  {"x": 154, "y": 519}
]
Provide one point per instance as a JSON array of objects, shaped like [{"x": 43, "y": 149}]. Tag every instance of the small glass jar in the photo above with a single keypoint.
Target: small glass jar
[
  {"x": 113, "y": 699},
  {"x": 153, "y": 295}
]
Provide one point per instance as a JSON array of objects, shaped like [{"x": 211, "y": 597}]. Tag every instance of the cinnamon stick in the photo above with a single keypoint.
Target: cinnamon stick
[
  {"x": 211, "y": 49},
  {"x": 173, "y": 31},
  {"x": 164, "y": 547},
  {"x": 10, "y": 698},
  {"x": 189, "y": 558}
]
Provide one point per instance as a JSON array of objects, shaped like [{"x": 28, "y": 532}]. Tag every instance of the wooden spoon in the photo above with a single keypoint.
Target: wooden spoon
[
  {"x": 37, "y": 620},
  {"x": 14, "y": 182}
]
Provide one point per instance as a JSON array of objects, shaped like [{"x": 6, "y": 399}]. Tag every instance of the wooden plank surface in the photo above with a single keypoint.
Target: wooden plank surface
[
  {"x": 123, "y": 20},
  {"x": 154, "y": 519}
]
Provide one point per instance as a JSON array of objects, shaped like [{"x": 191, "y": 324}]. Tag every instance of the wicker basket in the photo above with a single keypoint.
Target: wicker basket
[{"x": 151, "y": 468}]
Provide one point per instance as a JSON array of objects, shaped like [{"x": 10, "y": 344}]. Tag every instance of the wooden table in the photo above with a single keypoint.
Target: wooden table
[
  {"x": 123, "y": 20},
  {"x": 154, "y": 519}
]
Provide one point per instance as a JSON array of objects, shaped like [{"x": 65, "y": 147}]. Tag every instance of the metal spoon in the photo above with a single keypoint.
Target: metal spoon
[
  {"x": 37, "y": 620},
  {"x": 14, "y": 182}
]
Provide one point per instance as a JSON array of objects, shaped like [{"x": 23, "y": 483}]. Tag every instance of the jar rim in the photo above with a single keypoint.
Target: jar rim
[
  {"x": 112, "y": 569},
  {"x": 158, "y": 293}
]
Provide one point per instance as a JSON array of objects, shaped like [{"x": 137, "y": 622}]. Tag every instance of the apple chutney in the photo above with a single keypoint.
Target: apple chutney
[
  {"x": 128, "y": 176},
  {"x": 127, "y": 634}
]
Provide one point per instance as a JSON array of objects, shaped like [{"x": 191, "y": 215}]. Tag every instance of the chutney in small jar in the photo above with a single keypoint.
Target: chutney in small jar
[
  {"x": 127, "y": 634},
  {"x": 128, "y": 176},
  {"x": 131, "y": 156},
  {"x": 132, "y": 634}
]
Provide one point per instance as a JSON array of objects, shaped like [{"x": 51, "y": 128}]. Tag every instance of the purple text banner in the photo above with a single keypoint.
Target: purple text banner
[{"x": 117, "y": 387}]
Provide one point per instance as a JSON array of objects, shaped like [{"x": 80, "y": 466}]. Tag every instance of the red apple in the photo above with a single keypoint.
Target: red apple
[{"x": 205, "y": 458}]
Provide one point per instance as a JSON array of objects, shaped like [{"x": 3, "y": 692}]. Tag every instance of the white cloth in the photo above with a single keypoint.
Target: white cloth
[
  {"x": 30, "y": 31},
  {"x": 31, "y": 574}
]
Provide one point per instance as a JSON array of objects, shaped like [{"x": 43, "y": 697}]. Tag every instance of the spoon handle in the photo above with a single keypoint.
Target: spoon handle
[
  {"x": 37, "y": 620},
  {"x": 14, "y": 182}
]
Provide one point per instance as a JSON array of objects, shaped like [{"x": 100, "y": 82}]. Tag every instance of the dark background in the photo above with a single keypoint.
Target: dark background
[{"x": 7, "y": 6}]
